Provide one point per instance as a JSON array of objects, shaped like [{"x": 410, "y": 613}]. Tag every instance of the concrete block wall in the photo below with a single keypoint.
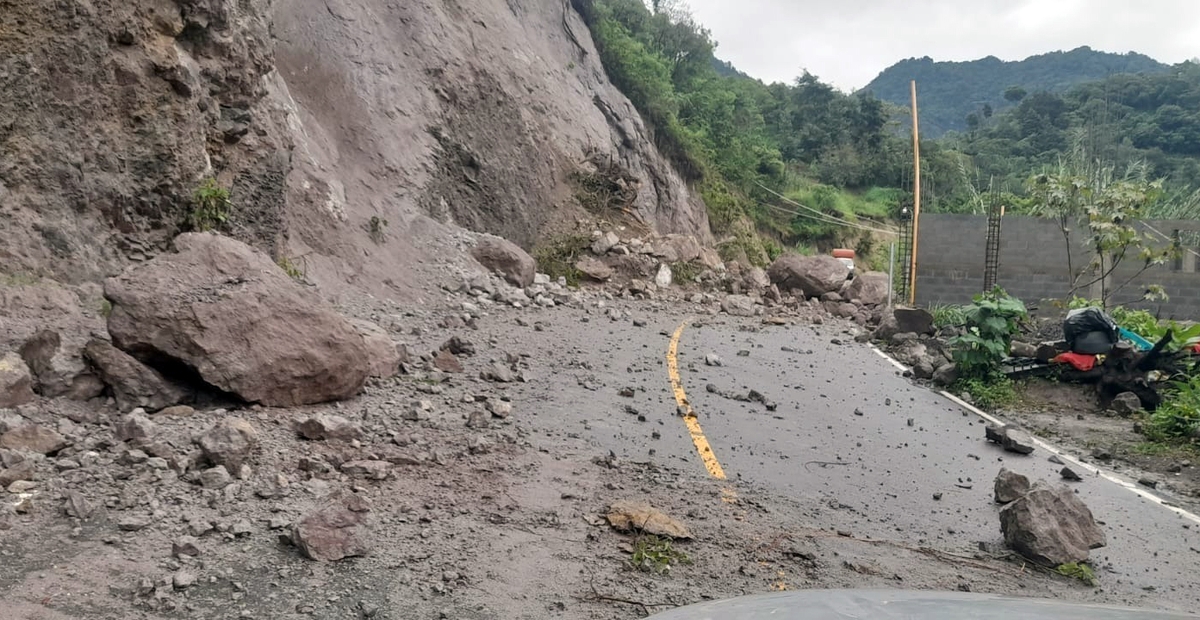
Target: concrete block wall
[{"x": 1033, "y": 263}]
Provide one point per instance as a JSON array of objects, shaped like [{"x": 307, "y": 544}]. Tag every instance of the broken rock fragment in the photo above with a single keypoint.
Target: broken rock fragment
[
  {"x": 1011, "y": 439},
  {"x": 325, "y": 426},
  {"x": 133, "y": 383},
  {"x": 16, "y": 383},
  {"x": 629, "y": 516},
  {"x": 33, "y": 438},
  {"x": 338, "y": 529},
  {"x": 229, "y": 443},
  {"x": 1010, "y": 486}
]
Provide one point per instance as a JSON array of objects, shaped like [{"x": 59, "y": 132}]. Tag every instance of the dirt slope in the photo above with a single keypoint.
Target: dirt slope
[{"x": 429, "y": 115}]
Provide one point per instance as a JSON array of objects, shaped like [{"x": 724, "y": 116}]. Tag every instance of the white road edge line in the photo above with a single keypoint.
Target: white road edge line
[{"x": 1056, "y": 451}]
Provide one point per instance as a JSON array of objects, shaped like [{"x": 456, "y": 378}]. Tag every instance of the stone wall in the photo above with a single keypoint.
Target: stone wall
[{"x": 1033, "y": 262}]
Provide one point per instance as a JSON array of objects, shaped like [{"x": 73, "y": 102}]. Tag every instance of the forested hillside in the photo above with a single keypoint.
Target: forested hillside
[
  {"x": 732, "y": 135},
  {"x": 954, "y": 96}
]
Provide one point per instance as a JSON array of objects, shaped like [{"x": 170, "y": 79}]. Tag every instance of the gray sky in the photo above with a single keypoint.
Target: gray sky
[{"x": 848, "y": 42}]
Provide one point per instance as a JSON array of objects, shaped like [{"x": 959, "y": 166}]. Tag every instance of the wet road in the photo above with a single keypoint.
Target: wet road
[{"x": 848, "y": 430}]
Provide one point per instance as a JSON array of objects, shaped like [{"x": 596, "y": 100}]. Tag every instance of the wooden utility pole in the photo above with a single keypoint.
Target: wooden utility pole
[{"x": 912, "y": 272}]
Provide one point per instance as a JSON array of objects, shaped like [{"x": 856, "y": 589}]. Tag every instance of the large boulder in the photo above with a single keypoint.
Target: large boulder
[
  {"x": 676, "y": 248},
  {"x": 133, "y": 383},
  {"x": 16, "y": 383},
  {"x": 383, "y": 355},
  {"x": 229, "y": 443},
  {"x": 1009, "y": 486},
  {"x": 507, "y": 259},
  {"x": 1050, "y": 525},
  {"x": 869, "y": 288},
  {"x": 33, "y": 438},
  {"x": 811, "y": 275},
  {"x": 594, "y": 269},
  {"x": 226, "y": 311}
]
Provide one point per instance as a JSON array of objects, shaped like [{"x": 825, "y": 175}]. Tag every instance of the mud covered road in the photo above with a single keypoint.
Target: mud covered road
[{"x": 846, "y": 430}]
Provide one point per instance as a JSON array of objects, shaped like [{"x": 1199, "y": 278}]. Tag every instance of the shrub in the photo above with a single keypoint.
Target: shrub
[
  {"x": 989, "y": 393},
  {"x": 947, "y": 315},
  {"x": 557, "y": 257},
  {"x": 990, "y": 322},
  {"x": 210, "y": 208},
  {"x": 1179, "y": 416}
]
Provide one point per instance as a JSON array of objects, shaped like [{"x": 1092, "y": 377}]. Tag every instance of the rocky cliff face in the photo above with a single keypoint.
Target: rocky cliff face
[{"x": 356, "y": 136}]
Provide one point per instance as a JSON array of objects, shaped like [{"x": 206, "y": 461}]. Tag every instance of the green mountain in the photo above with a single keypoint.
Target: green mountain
[{"x": 949, "y": 92}]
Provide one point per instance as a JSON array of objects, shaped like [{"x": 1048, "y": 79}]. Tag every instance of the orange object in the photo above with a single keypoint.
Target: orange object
[
  {"x": 1079, "y": 361},
  {"x": 843, "y": 253}
]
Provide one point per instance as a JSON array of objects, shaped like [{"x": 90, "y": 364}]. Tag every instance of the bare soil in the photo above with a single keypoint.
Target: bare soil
[{"x": 1070, "y": 415}]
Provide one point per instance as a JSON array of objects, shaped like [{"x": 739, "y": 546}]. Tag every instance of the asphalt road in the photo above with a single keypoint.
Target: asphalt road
[{"x": 848, "y": 431}]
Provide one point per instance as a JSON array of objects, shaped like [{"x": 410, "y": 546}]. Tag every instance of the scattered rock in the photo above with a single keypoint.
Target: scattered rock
[
  {"x": 1051, "y": 526},
  {"x": 604, "y": 243},
  {"x": 21, "y": 486},
  {"x": 914, "y": 320},
  {"x": 712, "y": 359},
  {"x": 507, "y": 259},
  {"x": 33, "y": 438},
  {"x": 226, "y": 311},
  {"x": 229, "y": 443},
  {"x": 323, "y": 426},
  {"x": 458, "y": 346},
  {"x": 16, "y": 382},
  {"x": 446, "y": 362},
  {"x": 946, "y": 375},
  {"x": 477, "y": 420},
  {"x": 1011, "y": 439},
  {"x": 1126, "y": 404},
  {"x": 177, "y": 411},
  {"x": 595, "y": 269},
  {"x": 499, "y": 373},
  {"x": 215, "y": 478},
  {"x": 78, "y": 506},
  {"x": 738, "y": 305},
  {"x": 133, "y": 383},
  {"x": 813, "y": 276},
  {"x": 183, "y": 580},
  {"x": 663, "y": 278},
  {"x": 338, "y": 529},
  {"x": 499, "y": 408},
  {"x": 1148, "y": 482},
  {"x": 628, "y": 516},
  {"x": 1069, "y": 474},
  {"x": 1010, "y": 486},
  {"x": 133, "y": 523},
  {"x": 185, "y": 546},
  {"x": 135, "y": 426},
  {"x": 372, "y": 470}
]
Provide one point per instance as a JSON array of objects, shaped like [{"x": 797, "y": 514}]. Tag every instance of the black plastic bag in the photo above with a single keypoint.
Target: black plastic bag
[{"x": 1090, "y": 331}]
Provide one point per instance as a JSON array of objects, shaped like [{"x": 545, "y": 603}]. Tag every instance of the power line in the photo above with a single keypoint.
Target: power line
[{"x": 820, "y": 216}]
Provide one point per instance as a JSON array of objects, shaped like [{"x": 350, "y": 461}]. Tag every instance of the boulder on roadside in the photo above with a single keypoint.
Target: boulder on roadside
[
  {"x": 1009, "y": 486},
  {"x": 664, "y": 277},
  {"x": 946, "y": 375},
  {"x": 870, "y": 288},
  {"x": 756, "y": 279},
  {"x": 911, "y": 353},
  {"x": 1050, "y": 525},
  {"x": 506, "y": 258},
  {"x": 813, "y": 276},
  {"x": 915, "y": 320},
  {"x": 738, "y": 305},
  {"x": 339, "y": 528},
  {"x": 226, "y": 311},
  {"x": 16, "y": 382},
  {"x": 1009, "y": 438},
  {"x": 383, "y": 356},
  {"x": 135, "y": 426},
  {"x": 711, "y": 259},
  {"x": 605, "y": 242},
  {"x": 594, "y": 269},
  {"x": 133, "y": 383}
]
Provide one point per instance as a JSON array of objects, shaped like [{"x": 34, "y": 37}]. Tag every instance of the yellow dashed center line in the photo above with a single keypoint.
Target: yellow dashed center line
[{"x": 689, "y": 417}]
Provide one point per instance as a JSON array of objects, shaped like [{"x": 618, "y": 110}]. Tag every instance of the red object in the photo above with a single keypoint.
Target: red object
[
  {"x": 1079, "y": 361},
  {"x": 843, "y": 253},
  {"x": 1196, "y": 348}
]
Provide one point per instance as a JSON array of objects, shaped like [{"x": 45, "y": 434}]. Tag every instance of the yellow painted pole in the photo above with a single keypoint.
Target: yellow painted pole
[{"x": 912, "y": 283}]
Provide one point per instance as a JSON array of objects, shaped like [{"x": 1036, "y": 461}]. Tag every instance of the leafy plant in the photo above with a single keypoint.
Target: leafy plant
[
  {"x": 211, "y": 208},
  {"x": 947, "y": 315},
  {"x": 989, "y": 393},
  {"x": 289, "y": 267},
  {"x": 991, "y": 321},
  {"x": 683, "y": 272},
  {"x": 654, "y": 554},
  {"x": 1078, "y": 570},
  {"x": 1178, "y": 417}
]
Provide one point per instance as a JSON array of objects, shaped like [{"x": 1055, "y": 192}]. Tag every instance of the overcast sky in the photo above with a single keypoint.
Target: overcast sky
[{"x": 848, "y": 42}]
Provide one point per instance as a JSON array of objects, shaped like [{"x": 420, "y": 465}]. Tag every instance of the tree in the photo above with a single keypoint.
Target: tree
[{"x": 1014, "y": 94}]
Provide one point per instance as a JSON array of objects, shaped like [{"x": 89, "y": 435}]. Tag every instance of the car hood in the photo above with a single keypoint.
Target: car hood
[{"x": 897, "y": 604}]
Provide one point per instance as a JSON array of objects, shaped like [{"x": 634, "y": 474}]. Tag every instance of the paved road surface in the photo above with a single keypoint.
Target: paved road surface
[{"x": 841, "y": 433}]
